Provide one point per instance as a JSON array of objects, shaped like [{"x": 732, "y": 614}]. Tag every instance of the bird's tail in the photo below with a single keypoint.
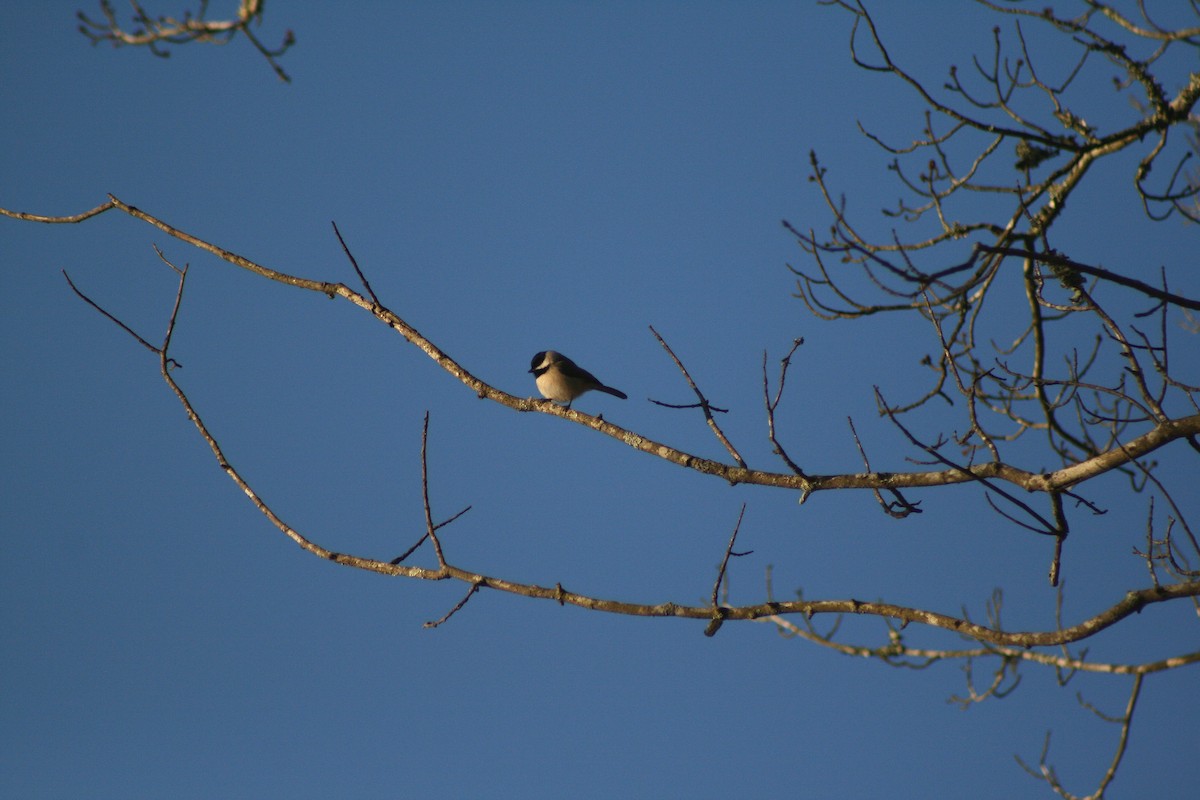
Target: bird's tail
[{"x": 613, "y": 392}]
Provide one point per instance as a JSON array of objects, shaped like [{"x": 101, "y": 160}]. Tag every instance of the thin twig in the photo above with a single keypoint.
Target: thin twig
[
  {"x": 704, "y": 404},
  {"x": 354, "y": 263},
  {"x": 121, "y": 324},
  {"x": 899, "y": 509},
  {"x": 1047, "y": 528},
  {"x": 474, "y": 588},
  {"x": 718, "y": 618},
  {"x": 424, "y": 536},
  {"x": 430, "y": 530},
  {"x": 711, "y": 407},
  {"x": 772, "y": 405},
  {"x": 1123, "y": 741}
]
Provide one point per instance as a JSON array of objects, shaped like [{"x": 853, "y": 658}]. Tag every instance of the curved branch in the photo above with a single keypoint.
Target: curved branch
[
  {"x": 895, "y": 650},
  {"x": 1132, "y": 603},
  {"x": 1161, "y": 434}
]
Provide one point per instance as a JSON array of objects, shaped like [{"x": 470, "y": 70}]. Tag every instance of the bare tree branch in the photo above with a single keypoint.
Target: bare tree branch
[
  {"x": 155, "y": 32},
  {"x": 1160, "y": 435}
]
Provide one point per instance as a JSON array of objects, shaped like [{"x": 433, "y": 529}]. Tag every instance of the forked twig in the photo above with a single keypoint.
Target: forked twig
[
  {"x": 771, "y": 406},
  {"x": 156, "y": 350},
  {"x": 718, "y": 616},
  {"x": 704, "y": 404},
  {"x": 424, "y": 536},
  {"x": 1046, "y": 772},
  {"x": 901, "y": 508},
  {"x": 154, "y": 32}
]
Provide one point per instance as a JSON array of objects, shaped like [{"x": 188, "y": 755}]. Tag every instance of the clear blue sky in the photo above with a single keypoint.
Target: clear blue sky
[{"x": 512, "y": 177}]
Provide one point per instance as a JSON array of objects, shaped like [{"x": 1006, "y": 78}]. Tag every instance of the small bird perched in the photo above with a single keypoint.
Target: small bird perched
[{"x": 562, "y": 380}]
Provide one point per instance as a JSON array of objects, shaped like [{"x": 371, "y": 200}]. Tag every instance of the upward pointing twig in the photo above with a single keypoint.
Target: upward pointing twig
[
  {"x": 705, "y": 406},
  {"x": 718, "y": 612}
]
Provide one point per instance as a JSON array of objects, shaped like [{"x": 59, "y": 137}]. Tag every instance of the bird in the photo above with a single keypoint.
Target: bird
[{"x": 562, "y": 380}]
